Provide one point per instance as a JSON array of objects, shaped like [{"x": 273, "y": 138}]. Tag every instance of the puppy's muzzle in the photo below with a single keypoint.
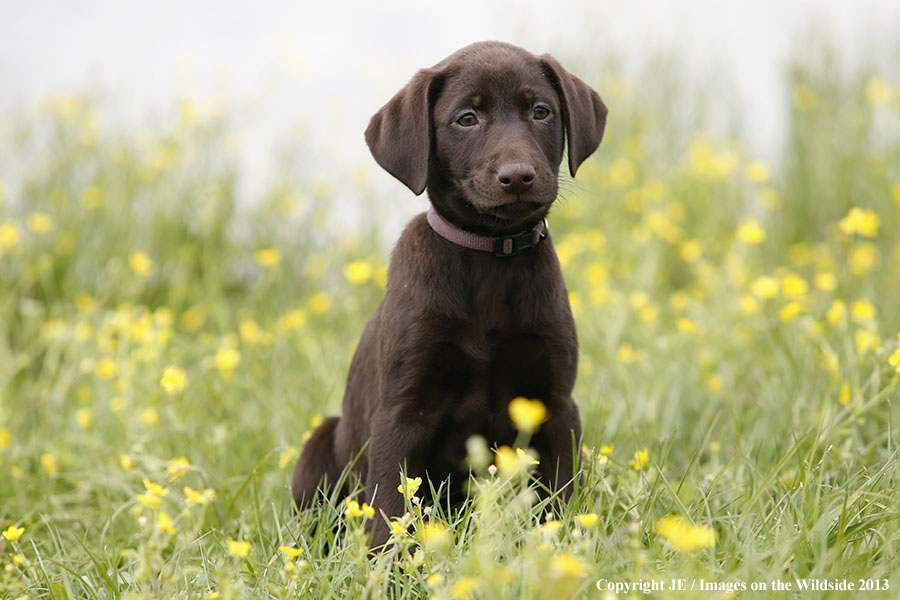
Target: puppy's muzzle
[{"x": 516, "y": 177}]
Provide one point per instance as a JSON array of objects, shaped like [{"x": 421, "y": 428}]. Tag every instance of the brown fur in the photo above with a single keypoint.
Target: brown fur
[{"x": 459, "y": 332}]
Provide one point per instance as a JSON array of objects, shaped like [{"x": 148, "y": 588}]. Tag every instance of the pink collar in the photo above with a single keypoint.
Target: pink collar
[{"x": 511, "y": 245}]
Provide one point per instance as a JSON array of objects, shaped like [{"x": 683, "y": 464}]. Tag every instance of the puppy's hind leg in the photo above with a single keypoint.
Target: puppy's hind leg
[{"x": 317, "y": 466}]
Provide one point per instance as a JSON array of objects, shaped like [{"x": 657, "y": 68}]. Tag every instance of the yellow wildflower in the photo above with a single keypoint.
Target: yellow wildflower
[
  {"x": 894, "y": 360},
  {"x": 865, "y": 340},
  {"x": 49, "y": 462},
  {"x": 353, "y": 509},
  {"x": 287, "y": 456},
  {"x": 397, "y": 529},
  {"x": 5, "y": 438},
  {"x": 319, "y": 303},
  {"x": 750, "y": 232},
  {"x": 173, "y": 380},
  {"x": 526, "y": 458},
  {"x": 648, "y": 313},
  {"x": 434, "y": 580},
  {"x": 148, "y": 499},
  {"x": 789, "y": 311},
  {"x": 85, "y": 302},
  {"x": 267, "y": 257},
  {"x": 238, "y": 548},
  {"x": 587, "y": 519},
  {"x": 860, "y": 221},
  {"x": 84, "y": 416},
  {"x": 862, "y": 310},
  {"x": 825, "y": 281},
  {"x": 126, "y": 462},
  {"x": 106, "y": 368},
  {"x": 506, "y": 460},
  {"x": 606, "y": 449},
  {"x": 436, "y": 535},
  {"x": 878, "y": 92},
  {"x": 9, "y": 236},
  {"x": 141, "y": 263},
  {"x": 164, "y": 523},
  {"x": 626, "y": 353},
  {"x": 567, "y": 565},
  {"x": 837, "y": 312},
  {"x": 640, "y": 460},
  {"x": 510, "y": 462},
  {"x": 576, "y": 302},
  {"x": 685, "y": 325},
  {"x": 13, "y": 533},
  {"x": 193, "y": 319},
  {"x": 227, "y": 360},
  {"x": 463, "y": 587},
  {"x": 844, "y": 394},
  {"x": 250, "y": 330},
  {"x": 895, "y": 194},
  {"x": 757, "y": 172},
  {"x": 527, "y": 414},
  {"x": 149, "y": 417},
  {"x": 793, "y": 286},
  {"x": 764, "y": 287},
  {"x": 290, "y": 551},
  {"x": 684, "y": 536},
  {"x": 803, "y": 97},
  {"x": 706, "y": 160},
  {"x": 40, "y": 222},
  {"x": 154, "y": 488},
  {"x": 690, "y": 250},
  {"x": 748, "y": 304},
  {"x": 863, "y": 258},
  {"x": 194, "y": 497},
  {"x": 713, "y": 383},
  {"x": 358, "y": 271},
  {"x": 551, "y": 527},
  {"x": 92, "y": 197},
  {"x": 177, "y": 467},
  {"x": 412, "y": 486}
]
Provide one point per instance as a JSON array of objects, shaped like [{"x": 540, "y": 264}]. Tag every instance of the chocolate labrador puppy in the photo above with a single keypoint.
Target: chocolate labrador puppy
[{"x": 476, "y": 311}]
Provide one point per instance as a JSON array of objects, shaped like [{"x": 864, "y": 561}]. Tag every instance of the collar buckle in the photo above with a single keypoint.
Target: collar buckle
[{"x": 514, "y": 245}]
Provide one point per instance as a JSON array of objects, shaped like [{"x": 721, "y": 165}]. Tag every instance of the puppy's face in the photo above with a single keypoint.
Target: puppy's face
[
  {"x": 498, "y": 141},
  {"x": 484, "y": 131}
]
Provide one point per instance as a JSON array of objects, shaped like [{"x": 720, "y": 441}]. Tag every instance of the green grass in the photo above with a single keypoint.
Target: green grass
[{"x": 757, "y": 374}]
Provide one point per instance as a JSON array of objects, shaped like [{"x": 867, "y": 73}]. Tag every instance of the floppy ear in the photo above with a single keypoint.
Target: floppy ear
[
  {"x": 399, "y": 135},
  {"x": 584, "y": 113}
]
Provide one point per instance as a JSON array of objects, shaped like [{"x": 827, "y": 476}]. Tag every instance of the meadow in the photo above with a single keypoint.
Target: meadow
[{"x": 165, "y": 348}]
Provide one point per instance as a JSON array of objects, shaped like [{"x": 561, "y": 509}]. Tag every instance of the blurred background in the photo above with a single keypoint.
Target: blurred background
[{"x": 320, "y": 69}]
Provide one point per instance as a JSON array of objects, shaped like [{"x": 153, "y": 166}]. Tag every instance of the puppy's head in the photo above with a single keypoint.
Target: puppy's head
[{"x": 484, "y": 131}]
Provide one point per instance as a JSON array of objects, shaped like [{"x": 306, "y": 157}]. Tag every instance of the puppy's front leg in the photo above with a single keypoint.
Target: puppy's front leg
[
  {"x": 556, "y": 443},
  {"x": 398, "y": 443}
]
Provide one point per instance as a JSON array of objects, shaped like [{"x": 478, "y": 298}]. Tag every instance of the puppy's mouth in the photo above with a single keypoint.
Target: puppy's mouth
[{"x": 519, "y": 211}]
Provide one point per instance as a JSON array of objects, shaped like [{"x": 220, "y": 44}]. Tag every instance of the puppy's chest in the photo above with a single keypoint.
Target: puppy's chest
[{"x": 497, "y": 313}]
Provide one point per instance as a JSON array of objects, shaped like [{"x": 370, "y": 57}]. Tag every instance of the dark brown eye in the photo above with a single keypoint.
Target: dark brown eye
[
  {"x": 541, "y": 112},
  {"x": 468, "y": 120}
]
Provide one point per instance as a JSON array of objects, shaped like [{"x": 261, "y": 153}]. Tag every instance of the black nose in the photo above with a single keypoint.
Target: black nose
[{"x": 516, "y": 177}]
